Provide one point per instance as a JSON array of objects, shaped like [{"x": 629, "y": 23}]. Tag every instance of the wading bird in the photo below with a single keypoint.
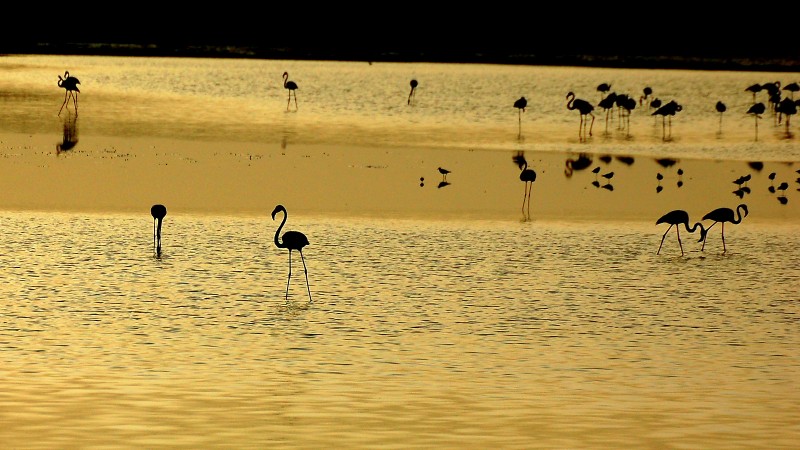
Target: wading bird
[
  {"x": 668, "y": 110},
  {"x": 585, "y": 108},
  {"x": 414, "y": 84},
  {"x": 158, "y": 212},
  {"x": 521, "y": 104},
  {"x": 721, "y": 108},
  {"x": 291, "y": 240},
  {"x": 677, "y": 218},
  {"x": 722, "y": 215},
  {"x": 292, "y": 87},
  {"x": 757, "y": 110},
  {"x": 69, "y": 83}
]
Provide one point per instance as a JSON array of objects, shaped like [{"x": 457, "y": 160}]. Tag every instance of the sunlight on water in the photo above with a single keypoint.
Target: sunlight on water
[
  {"x": 421, "y": 334},
  {"x": 456, "y": 105}
]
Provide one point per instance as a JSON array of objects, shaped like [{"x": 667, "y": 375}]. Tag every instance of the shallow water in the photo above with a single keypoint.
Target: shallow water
[
  {"x": 449, "y": 334},
  {"x": 564, "y": 331},
  {"x": 463, "y": 106}
]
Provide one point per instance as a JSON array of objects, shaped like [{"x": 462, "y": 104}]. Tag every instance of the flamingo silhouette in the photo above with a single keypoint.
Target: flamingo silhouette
[
  {"x": 414, "y": 84},
  {"x": 722, "y": 215},
  {"x": 757, "y": 110},
  {"x": 292, "y": 87},
  {"x": 527, "y": 176},
  {"x": 677, "y": 218},
  {"x": 291, "y": 240},
  {"x": 755, "y": 89},
  {"x": 69, "y": 83},
  {"x": 158, "y": 212},
  {"x": 607, "y": 104},
  {"x": 721, "y": 108},
  {"x": 585, "y": 108},
  {"x": 521, "y": 104},
  {"x": 647, "y": 92},
  {"x": 602, "y": 88},
  {"x": 668, "y": 110}
]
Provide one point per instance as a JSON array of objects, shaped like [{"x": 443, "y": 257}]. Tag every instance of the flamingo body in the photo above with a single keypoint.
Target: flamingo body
[
  {"x": 722, "y": 215},
  {"x": 676, "y": 218},
  {"x": 291, "y": 240}
]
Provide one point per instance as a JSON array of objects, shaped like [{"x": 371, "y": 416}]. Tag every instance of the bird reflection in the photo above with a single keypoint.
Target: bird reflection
[
  {"x": 70, "y": 137},
  {"x": 443, "y": 184},
  {"x": 527, "y": 176},
  {"x": 627, "y": 160},
  {"x": 659, "y": 177},
  {"x": 582, "y": 163}
]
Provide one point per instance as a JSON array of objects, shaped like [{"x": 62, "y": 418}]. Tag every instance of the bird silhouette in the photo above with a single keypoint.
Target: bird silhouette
[
  {"x": 444, "y": 173},
  {"x": 70, "y": 84},
  {"x": 585, "y": 108},
  {"x": 292, "y": 87},
  {"x": 755, "y": 89},
  {"x": 722, "y": 215},
  {"x": 677, "y": 218},
  {"x": 626, "y": 104},
  {"x": 647, "y": 92},
  {"x": 414, "y": 84},
  {"x": 291, "y": 240},
  {"x": 607, "y": 103},
  {"x": 582, "y": 163},
  {"x": 721, "y": 108},
  {"x": 667, "y": 111},
  {"x": 158, "y": 212},
  {"x": 602, "y": 88},
  {"x": 792, "y": 88},
  {"x": 757, "y": 110},
  {"x": 788, "y": 108},
  {"x": 521, "y": 104},
  {"x": 771, "y": 187},
  {"x": 70, "y": 134},
  {"x": 527, "y": 176}
]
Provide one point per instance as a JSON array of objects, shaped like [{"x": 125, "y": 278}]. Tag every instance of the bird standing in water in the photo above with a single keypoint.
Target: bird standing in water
[
  {"x": 292, "y": 87},
  {"x": 69, "y": 83},
  {"x": 158, "y": 212},
  {"x": 414, "y": 84},
  {"x": 675, "y": 219},
  {"x": 291, "y": 240}
]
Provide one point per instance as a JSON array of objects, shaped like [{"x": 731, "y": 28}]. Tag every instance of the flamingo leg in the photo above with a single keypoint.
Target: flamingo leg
[
  {"x": 678, "y": 231},
  {"x": 75, "y": 102},
  {"x": 591, "y": 127},
  {"x": 66, "y": 94},
  {"x": 530, "y": 187},
  {"x": 724, "y": 249},
  {"x": 290, "y": 275},
  {"x": 524, "y": 198},
  {"x": 306, "y": 272},
  {"x": 295, "y": 101},
  {"x": 662, "y": 239}
]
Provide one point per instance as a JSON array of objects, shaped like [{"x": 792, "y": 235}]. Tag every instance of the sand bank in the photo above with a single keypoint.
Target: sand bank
[{"x": 123, "y": 174}]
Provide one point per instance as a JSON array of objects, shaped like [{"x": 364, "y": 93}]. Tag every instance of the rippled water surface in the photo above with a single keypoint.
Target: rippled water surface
[{"x": 449, "y": 334}]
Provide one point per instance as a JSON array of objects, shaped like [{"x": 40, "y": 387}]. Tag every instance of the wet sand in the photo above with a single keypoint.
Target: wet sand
[{"x": 125, "y": 174}]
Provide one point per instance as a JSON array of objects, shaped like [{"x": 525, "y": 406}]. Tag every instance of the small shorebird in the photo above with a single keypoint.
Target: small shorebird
[{"x": 444, "y": 173}]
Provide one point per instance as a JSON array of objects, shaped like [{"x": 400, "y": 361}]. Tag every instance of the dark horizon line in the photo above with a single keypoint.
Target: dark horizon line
[{"x": 619, "y": 57}]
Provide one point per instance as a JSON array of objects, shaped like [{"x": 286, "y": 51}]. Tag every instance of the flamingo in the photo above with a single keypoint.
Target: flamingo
[
  {"x": 677, "y": 218},
  {"x": 158, "y": 212},
  {"x": 722, "y": 215},
  {"x": 792, "y": 88},
  {"x": 721, "y": 108},
  {"x": 521, "y": 104},
  {"x": 602, "y": 88},
  {"x": 670, "y": 109},
  {"x": 585, "y": 108},
  {"x": 607, "y": 104},
  {"x": 527, "y": 176},
  {"x": 69, "y": 83},
  {"x": 757, "y": 110},
  {"x": 292, "y": 87},
  {"x": 647, "y": 92},
  {"x": 414, "y": 84},
  {"x": 291, "y": 240},
  {"x": 755, "y": 89}
]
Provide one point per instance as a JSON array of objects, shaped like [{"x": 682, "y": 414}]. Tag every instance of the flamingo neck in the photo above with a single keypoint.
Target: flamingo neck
[{"x": 278, "y": 243}]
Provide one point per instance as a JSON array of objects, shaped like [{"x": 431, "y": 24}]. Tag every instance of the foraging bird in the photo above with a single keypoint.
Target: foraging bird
[
  {"x": 414, "y": 84},
  {"x": 668, "y": 110},
  {"x": 292, "y": 87},
  {"x": 602, "y": 88},
  {"x": 527, "y": 176},
  {"x": 444, "y": 173},
  {"x": 69, "y": 83},
  {"x": 585, "y": 108},
  {"x": 158, "y": 212},
  {"x": 676, "y": 218},
  {"x": 291, "y": 240},
  {"x": 722, "y": 215},
  {"x": 647, "y": 92},
  {"x": 521, "y": 104}
]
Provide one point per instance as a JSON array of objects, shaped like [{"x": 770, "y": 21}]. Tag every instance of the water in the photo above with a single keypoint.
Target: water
[{"x": 556, "y": 332}]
